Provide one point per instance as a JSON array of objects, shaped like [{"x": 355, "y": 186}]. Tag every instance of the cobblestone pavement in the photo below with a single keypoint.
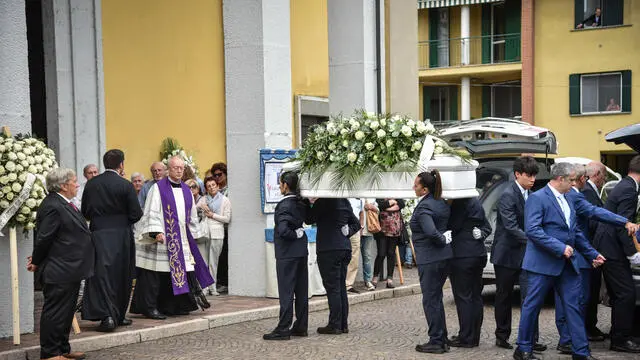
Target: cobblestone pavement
[{"x": 384, "y": 329}]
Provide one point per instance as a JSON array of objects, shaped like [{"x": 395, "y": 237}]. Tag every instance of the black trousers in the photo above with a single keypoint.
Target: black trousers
[
  {"x": 223, "y": 261},
  {"x": 386, "y": 248},
  {"x": 506, "y": 279},
  {"x": 154, "y": 291},
  {"x": 466, "y": 285},
  {"x": 293, "y": 279},
  {"x": 57, "y": 315},
  {"x": 619, "y": 281},
  {"x": 432, "y": 278},
  {"x": 333, "y": 270},
  {"x": 591, "y": 319}
]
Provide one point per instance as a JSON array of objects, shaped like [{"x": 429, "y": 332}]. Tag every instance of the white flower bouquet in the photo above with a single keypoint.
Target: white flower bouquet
[
  {"x": 24, "y": 163},
  {"x": 358, "y": 150},
  {"x": 171, "y": 148}
]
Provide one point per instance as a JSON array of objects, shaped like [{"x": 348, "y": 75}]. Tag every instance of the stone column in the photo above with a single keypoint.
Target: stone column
[
  {"x": 72, "y": 32},
  {"x": 258, "y": 115},
  {"x": 352, "y": 55},
  {"x": 528, "y": 56},
  {"x": 465, "y": 98},
  {"x": 403, "y": 87},
  {"x": 15, "y": 112},
  {"x": 464, "y": 33}
]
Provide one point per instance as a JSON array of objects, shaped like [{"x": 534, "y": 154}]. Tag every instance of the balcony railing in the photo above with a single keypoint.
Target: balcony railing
[{"x": 475, "y": 50}]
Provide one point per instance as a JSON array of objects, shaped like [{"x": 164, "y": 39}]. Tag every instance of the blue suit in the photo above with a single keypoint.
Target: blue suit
[
  {"x": 585, "y": 212},
  {"x": 547, "y": 268}
]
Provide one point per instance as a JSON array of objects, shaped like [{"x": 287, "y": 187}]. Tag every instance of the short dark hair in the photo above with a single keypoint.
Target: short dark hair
[
  {"x": 219, "y": 166},
  {"x": 209, "y": 179},
  {"x": 291, "y": 179},
  {"x": 113, "y": 158},
  {"x": 634, "y": 164},
  {"x": 526, "y": 165}
]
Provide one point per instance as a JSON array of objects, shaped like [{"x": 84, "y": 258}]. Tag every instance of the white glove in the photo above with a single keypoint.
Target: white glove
[
  {"x": 300, "y": 232},
  {"x": 477, "y": 234},
  {"x": 447, "y": 236},
  {"x": 634, "y": 259},
  {"x": 345, "y": 230}
]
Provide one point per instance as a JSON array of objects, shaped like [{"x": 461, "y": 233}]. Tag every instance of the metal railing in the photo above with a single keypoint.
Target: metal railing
[{"x": 474, "y": 50}]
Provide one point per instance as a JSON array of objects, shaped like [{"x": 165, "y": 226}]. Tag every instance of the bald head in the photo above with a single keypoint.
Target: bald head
[
  {"x": 597, "y": 173},
  {"x": 176, "y": 168},
  {"x": 158, "y": 170}
]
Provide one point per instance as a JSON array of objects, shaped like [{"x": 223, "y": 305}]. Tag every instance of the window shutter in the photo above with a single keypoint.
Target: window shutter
[
  {"x": 486, "y": 100},
  {"x": 486, "y": 33},
  {"x": 453, "y": 103},
  {"x": 512, "y": 27},
  {"x": 612, "y": 12},
  {"x": 626, "y": 91},
  {"x": 434, "y": 20},
  {"x": 574, "y": 94},
  {"x": 579, "y": 12},
  {"x": 426, "y": 103}
]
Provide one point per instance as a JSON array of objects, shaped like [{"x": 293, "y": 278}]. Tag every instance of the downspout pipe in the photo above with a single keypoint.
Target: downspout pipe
[{"x": 378, "y": 61}]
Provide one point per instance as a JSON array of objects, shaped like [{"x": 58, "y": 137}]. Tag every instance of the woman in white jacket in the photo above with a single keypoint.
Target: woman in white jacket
[{"x": 216, "y": 209}]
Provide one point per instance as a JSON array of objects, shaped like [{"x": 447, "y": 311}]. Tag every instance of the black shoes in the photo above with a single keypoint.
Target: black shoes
[
  {"x": 154, "y": 314},
  {"x": 565, "y": 349},
  {"x": 503, "y": 344},
  {"x": 126, "y": 322},
  {"x": 457, "y": 343},
  {"x": 595, "y": 334},
  {"x": 107, "y": 325},
  {"x": 277, "y": 335},
  {"x": 580, "y": 357},
  {"x": 299, "y": 333},
  {"x": 328, "y": 330},
  {"x": 353, "y": 290},
  {"x": 626, "y": 346},
  {"x": 538, "y": 348},
  {"x": 432, "y": 348},
  {"x": 519, "y": 355},
  {"x": 345, "y": 330}
]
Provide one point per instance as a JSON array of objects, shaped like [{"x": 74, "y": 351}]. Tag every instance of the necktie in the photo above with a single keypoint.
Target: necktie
[
  {"x": 565, "y": 209},
  {"x": 74, "y": 206},
  {"x": 526, "y": 195}
]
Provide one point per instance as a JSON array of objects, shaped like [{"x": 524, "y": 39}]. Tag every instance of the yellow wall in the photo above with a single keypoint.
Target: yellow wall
[
  {"x": 560, "y": 52},
  {"x": 164, "y": 76},
  {"x": 309, "y": 50}
]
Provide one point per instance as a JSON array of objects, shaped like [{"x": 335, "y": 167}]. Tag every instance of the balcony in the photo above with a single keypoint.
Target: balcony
[{"x": 475, "y": 50}]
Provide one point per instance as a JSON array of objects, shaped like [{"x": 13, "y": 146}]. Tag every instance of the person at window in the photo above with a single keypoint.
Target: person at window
[
  {"x": 593, "y": 20},
  {"x": 612, "y": 106}
]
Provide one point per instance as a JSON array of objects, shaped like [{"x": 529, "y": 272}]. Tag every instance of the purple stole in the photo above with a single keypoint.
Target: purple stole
[{"x": 174, "y": 241}]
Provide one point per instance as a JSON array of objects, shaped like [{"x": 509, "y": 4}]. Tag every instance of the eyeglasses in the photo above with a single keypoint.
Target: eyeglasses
[
  {"x": 193, "y": 186},
  {"x": 217, "y": 174}
]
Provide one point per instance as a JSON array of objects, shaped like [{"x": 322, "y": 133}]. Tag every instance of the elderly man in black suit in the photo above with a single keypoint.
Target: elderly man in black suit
[
  {"x": 509, "y": 243},
  {"x": 64, "y": 252},
  {"x": 618, "y": 247}
]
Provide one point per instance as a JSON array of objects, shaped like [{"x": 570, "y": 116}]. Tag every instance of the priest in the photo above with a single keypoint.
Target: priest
[
  {"x": 171, "y": 271},
  {"x": 109, "y": 202}
]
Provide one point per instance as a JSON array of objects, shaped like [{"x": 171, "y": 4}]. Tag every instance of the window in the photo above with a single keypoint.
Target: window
[
  {"x": 307, "y": 121},
  {"x": 600, "y": 93},
  {"x": 498, "y": 30},
  {"x": 595, "y": 13},
  {"x": 506, "y": 99},
  {"x": 309, "y": 111},
  {"x": 440, "y": 103}
]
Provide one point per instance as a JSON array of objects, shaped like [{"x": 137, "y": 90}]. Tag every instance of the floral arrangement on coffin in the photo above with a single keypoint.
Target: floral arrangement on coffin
[
  {"x": 24, "y": 163},
  {"x": 366, "y": 145},
  {"x": 171, "y": 147}
]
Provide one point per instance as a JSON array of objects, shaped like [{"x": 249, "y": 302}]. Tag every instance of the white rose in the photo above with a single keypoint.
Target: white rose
[
  {"x": 320, "y": 155},
  {"x": 403, "y": 155},
  {"x": 20, "y": 218},
  {"x": 383, "y": 122},
  {"x": 24, "y": 163},
  {"x": 38, "y": 159},
  {"x": 406, "y": 131},
  {"x": 33, "y": 194},
  {"x": 9, "y": 196},
  {"x": 344, "y": 132},
  {"x": 40, "y": 145},
  {"x": 21, "y": 156},
  {"x": 39, "y": 201},
  {"x": 22, "y": 178},
  {"x": 31, "y": 160},
  {"x": 416, "y": 145},
  {"x": 19, "y": 168},
  {"x": 12, "y": 156},
  {"x": 381, "y": 133},
  {"x": 333, "y": 157},
  {"x": 4, "y": 204},
  {"x": 319, "y": 129},
  {"x": 332, "y": 146},
  {"x": 10, "y": 166},
  {"x": 375, "y": 157},
  {"x": 374, "y": 125},
  {"x": 25, "y": 210},
  {"x": 411, "y": 123},
  {"x": 32, "y": 169},
  {"x": 369, "y": 146},
  {"x": 355, "y": 126},
  {"x": 17, "y": 147},
  {"x": 351, "y": 157},
  {"x": 430, "y": 127},
  {"x": 421, "y": 128},
  {"x": 4, "y": 180},
  {"x": 345, "y": 143},
  {"x": 389, "y": 142},
  {"x": 359, "y": 135},
  {"x": 437, "y": 150},
  {"x": 12, "y": 177},
  {"x": 29, "y": 226},
  {"x": 3, "y": 148},
  {"x": 371, "y": 114},
  {"x": 16, "y": 187},
  {"x": 31, "y": 203},
  {"x": 42, "y": 168},
  {"x": 396, "y": 118}
]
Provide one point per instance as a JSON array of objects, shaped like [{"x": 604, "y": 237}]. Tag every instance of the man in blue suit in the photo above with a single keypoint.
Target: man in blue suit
[
  {"x": 585, "y": 212},
  {"x": 550, "y": 262}
]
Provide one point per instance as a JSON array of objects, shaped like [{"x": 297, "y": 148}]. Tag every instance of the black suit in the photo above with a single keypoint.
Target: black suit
[
  {"x": 595, "y": 279},
  {"x": 428, "y": 223},
  {"x": 110, "y": 203},
  {"x": 507, "y": 252},
  {"x": 291, "y": 263},
  {"x": 334, "y": 253},
  {"x": 64, "y": 252},
  {"x": 469, "y": 258},
  {"x": 615, "y": 245}
]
